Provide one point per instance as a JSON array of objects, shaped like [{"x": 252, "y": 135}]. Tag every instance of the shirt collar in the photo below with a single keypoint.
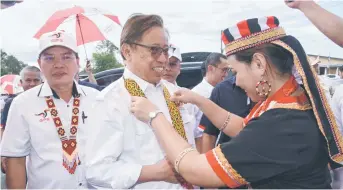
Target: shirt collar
[
  {"x": 207, "y": 84},
  {"x": 144, "y": 85},
  {"x": 46, "y": 90}
]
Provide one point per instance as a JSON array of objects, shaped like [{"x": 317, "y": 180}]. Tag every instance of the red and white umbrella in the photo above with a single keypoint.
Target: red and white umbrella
[
  {"x": 10, "y": 84},
  {"x": 87, "y": 24}
]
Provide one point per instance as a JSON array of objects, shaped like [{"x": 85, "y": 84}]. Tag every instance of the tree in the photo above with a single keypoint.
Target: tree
[
  {"x": 10, "y": 64},
  {"x": 105, "y": 57}
]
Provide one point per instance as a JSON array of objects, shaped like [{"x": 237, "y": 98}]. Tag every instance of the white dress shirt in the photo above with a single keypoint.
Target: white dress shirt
[
  {"x": 204, "y": 89},
  {"x": 337, "y": 106},
  {"x": 35, "y": 136},
  {"x": 121, "y": 144}
]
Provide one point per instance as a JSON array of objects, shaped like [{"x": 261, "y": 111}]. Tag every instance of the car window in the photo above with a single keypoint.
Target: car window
[
  {"x": 107, "y": 80},
  {"x": 189, "y": 78}
]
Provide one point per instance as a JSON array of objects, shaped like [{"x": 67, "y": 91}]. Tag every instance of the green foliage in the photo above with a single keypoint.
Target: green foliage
[
  {"x": 105, "y": 57},
  {"x": 10, "y": 64}
]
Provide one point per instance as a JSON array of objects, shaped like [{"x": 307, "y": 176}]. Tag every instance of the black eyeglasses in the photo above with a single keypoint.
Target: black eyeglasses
[
  {"x": 156, "y": 51},
  {"x": 224, "y": 70}
]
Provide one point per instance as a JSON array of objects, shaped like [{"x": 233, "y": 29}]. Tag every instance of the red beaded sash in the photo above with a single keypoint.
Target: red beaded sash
[{"x": 69, "y": 145}]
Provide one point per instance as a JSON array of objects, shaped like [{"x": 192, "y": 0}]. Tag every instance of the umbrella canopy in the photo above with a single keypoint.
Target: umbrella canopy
[
  {"x": 10, "y": 84},
  {"x": 87, "y": 24}
]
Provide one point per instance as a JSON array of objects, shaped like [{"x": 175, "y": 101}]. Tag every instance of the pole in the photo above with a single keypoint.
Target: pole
[
  {"x": 221, "y": 43},
  {"x": 83, "y": 42}
]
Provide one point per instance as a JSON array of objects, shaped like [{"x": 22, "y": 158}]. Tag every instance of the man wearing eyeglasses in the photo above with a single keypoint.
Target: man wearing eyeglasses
[
  {"x": 123, "y": 152},
  {"x": 215, "y": 69},
  {"x": 48, "y": 123}
]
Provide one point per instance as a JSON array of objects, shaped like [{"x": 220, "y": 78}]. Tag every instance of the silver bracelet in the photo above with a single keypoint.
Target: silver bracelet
[
  {"x": 180, "y": 156},
  {"x": 226, "y": 121}
]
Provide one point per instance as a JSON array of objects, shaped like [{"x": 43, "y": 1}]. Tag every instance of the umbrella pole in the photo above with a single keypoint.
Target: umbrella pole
[{"x": 83, "y": 42}]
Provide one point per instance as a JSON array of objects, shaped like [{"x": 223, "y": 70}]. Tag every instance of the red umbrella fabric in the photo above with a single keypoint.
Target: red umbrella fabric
[
  {"x": 88, "y": 24},
  {"x": 10, "y": 84}
]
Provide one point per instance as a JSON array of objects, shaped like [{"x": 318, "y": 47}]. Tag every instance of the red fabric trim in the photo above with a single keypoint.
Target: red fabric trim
[
  {"x": 201, "y": 127},
  {"x": 244, "y": 28},
  {"x": 220, "y": 171},
  {"x": 271, "y": 22}
]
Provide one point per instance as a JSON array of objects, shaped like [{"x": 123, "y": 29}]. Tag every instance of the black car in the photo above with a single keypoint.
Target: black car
[{"x": 190, "y": 75}]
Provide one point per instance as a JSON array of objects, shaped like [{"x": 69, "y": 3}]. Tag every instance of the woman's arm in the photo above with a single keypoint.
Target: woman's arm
[
  {"x": 194, "y": 167},
  {"x": 213, "y": 112}
]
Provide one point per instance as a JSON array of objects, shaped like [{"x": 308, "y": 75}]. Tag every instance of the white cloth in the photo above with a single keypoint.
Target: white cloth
[
  {"x": 121, "y": 144},
  {"x": 204, "y": 89},
  {"x": 35, "y": 136},
  {"x": 337, "y": 106}
]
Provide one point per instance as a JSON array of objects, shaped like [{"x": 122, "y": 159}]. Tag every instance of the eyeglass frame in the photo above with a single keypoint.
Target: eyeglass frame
[
  {"x": 227, "y": 70},
  {"x": 157, "y": 54}
]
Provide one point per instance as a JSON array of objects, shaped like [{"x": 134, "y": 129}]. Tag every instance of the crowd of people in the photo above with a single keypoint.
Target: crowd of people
[{"x": 258, "y": 119}]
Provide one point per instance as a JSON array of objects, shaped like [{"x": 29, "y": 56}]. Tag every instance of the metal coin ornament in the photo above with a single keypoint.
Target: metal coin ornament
[{"x": 263, "y": 88}]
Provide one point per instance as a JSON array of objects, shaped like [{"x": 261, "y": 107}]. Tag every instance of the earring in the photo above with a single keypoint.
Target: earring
[{"x": 263, "y": 88}]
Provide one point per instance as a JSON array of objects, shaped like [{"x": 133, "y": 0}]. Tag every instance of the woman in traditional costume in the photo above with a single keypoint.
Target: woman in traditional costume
[{"x": 290, "y": 138}]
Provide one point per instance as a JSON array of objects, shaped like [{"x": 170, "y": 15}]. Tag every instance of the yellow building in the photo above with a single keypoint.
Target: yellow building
[{"x": 327, "y": 65}]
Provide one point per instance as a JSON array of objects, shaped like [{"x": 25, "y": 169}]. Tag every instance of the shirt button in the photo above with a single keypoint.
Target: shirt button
[
  {"x": 68, "y": 106},
  {"x": 80, "y": 184}
]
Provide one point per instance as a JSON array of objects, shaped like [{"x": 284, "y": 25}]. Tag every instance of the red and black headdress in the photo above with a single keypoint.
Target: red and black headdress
[{"x": 254, "y": 32}]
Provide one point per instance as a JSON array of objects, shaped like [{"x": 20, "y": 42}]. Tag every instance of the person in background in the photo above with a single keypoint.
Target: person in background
[
  {"x": 89, "y": 72},
  {"x": 30, "y": 76},
  {"x": 337, "y": 109},
  {"x": 172, "y": 70},
  {"x": 340, "y": 72},
  {"x": 329, "y": 24},
  {"x": 46, "y": 129},
  {"x": 231, "y": 98},
  {"x": 216, "y": 70},
  {"x": 92, "y": 82}
]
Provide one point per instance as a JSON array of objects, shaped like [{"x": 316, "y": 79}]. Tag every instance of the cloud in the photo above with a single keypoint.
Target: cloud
[{"x": 194, "y": 25}]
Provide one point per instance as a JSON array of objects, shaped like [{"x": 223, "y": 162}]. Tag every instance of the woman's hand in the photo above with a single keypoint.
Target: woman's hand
[
  {"x": 184, "y": 96},
  {"x": 141, "y": 107}
]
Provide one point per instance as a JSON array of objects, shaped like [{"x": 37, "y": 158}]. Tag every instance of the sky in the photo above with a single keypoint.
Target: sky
[{"x": 194, "y": 25}]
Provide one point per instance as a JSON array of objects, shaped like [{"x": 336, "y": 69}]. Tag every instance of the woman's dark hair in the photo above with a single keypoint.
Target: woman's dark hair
[
  {"x": 136, "y": 26},
  {"x": 279, "y": 57}
]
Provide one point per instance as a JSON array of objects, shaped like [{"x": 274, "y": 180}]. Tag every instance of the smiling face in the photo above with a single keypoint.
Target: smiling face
[
  {"x": 59, "y": 65},
  {"x": 145, "y": 57}
]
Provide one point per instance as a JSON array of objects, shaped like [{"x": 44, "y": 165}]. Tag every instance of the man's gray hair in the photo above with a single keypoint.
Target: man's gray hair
[{"x": 31, "y": 69}]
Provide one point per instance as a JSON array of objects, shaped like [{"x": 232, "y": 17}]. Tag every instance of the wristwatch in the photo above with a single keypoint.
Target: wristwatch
[{"x": 153, "y": 115}]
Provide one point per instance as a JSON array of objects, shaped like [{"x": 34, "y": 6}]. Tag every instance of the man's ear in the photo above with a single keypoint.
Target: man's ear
[{"x": 126, "y": 51}]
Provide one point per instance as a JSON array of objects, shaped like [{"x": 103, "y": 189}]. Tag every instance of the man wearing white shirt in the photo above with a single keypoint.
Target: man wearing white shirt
[
  {"x": 216, "y": 70},
  {"x": 48, "y": 122},
  {"x": 123, "y": 151}
]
